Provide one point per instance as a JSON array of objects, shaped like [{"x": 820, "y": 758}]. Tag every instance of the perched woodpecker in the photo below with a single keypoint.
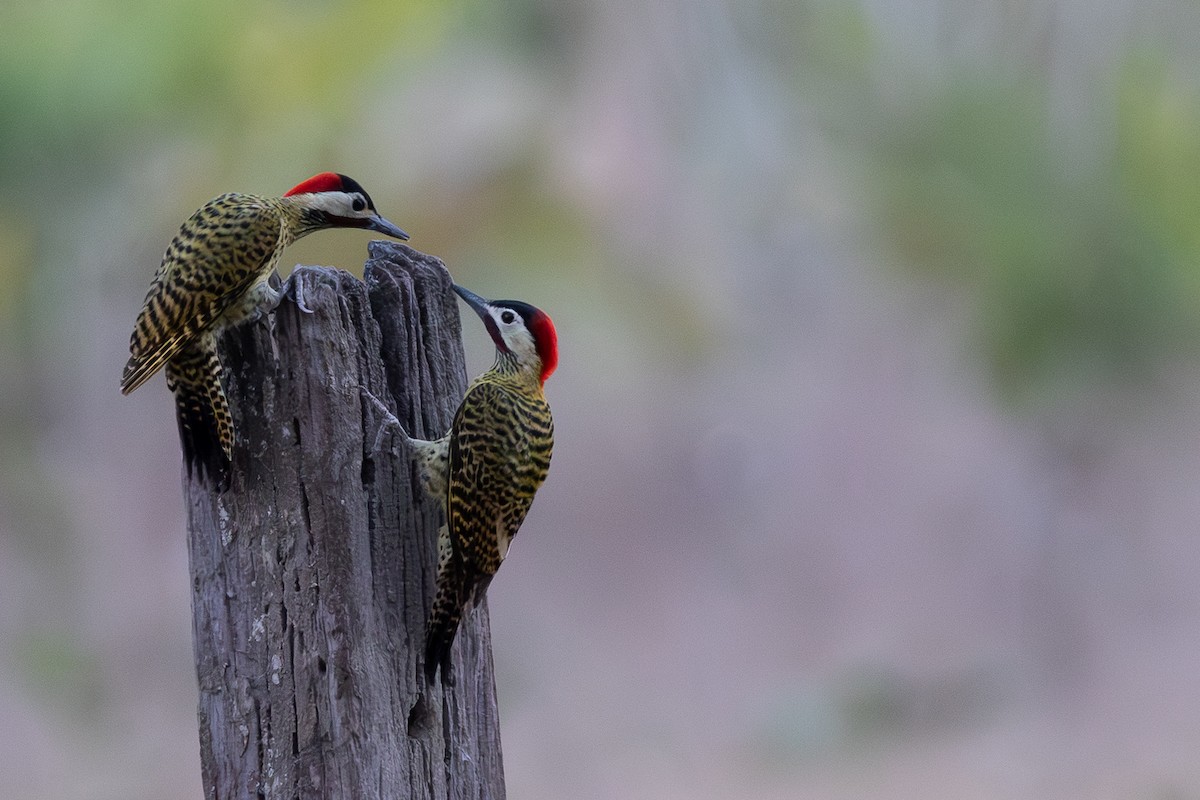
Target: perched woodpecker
[
  {"x": 488, "y": 467},
  {"x": 215, "y": 274}
]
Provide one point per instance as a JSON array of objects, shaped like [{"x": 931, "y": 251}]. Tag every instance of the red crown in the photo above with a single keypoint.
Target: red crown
[{"x": 325, "y": 182}]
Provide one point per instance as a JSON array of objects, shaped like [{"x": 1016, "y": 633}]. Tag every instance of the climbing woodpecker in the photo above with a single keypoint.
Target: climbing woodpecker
[
  {"x": 488, "y": 467},
  {"x": 214, "y": 275}
]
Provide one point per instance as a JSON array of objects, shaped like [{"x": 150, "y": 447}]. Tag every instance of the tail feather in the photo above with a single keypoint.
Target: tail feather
[
  {"x": 443, "y": 625},
  {"x": 459, "y": 591},
  {"x": 205, "y": 425}
]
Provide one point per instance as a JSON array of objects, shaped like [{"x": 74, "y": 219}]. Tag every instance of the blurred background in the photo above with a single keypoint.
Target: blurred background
[{"x": 879, "y": 403}]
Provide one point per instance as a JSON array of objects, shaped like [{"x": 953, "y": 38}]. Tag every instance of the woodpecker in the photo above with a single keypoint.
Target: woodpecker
[
  {"x": 214, "y": 275},
  {"x": 490, "y": 464}
]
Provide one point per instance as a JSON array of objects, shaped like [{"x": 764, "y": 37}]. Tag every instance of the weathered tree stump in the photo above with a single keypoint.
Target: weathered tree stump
[{"x": 313, "y": 571}]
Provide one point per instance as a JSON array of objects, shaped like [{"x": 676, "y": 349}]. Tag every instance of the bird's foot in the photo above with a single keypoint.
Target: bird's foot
[
  {"x": 389, "y": 419},
  {"x": 294, "y": 288}
]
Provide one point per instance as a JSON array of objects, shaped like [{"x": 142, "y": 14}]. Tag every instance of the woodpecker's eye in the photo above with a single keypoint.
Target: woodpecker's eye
[
  {"x": 359, "y": 204},
  {"x": 507, "y": 317}
]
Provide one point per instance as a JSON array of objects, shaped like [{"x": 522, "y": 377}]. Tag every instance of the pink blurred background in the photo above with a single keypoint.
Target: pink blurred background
[{"x": 878, "y": 434}]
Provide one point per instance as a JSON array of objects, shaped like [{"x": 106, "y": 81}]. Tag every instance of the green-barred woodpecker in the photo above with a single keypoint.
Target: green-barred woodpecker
[
  {"x": 490, "y": 464},
  {"x": 214, "y": 275}
]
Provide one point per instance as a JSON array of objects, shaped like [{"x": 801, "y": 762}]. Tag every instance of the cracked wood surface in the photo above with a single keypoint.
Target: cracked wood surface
[{"x": 313, "y": 573}]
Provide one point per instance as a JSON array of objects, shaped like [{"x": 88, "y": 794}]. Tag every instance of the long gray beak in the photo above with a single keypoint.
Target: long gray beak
[
  {"x": 474, "y": 301},
  {"x": 381, "y": 225}
]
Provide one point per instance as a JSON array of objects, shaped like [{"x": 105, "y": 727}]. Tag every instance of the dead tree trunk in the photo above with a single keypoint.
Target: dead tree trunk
[{"x": 312, "y": 574}]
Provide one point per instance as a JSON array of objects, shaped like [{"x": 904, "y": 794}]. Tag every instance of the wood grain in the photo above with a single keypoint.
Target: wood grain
[{"x": 312, "y": 574}]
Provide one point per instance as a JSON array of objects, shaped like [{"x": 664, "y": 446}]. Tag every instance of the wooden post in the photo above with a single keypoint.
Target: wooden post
[{"x": 312, "y": 574}]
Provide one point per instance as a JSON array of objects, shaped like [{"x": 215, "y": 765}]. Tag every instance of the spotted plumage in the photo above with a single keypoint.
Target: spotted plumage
[
  {"x": 490, "y": 464},
  {"x": 215, "y": 274}
]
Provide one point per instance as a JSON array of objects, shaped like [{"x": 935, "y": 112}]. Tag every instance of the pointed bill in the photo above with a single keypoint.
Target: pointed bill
[
  {"x": 474, "y": 301},
  {"x": 381, "y": 225}
]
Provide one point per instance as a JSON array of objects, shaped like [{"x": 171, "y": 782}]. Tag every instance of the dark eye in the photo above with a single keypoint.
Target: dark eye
[
  {"x": 359, "y": 204},
  {"x": 507, "y": 317}
]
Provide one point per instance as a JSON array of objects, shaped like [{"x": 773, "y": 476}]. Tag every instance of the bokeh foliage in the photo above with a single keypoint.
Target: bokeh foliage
[
  {"x": 77, "y": 80},
  {"x": 1079, "y": 271}
]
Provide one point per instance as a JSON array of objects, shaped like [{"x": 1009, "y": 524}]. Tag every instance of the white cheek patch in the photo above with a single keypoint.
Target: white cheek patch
[
  {"x": 338, "y": 204},
  {"x": 520, "y": 341}
]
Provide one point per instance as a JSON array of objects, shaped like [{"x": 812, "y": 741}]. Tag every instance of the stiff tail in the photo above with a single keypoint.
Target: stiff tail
[
  {"x": 205, "y": 424},
  {"x": 443, "y": 625},
  {"x": 459, "y": 591}
]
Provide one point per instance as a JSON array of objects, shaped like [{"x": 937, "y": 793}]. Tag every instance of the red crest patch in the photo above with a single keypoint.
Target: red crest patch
[
  {"x": 325, "y": 182},
  {"x": 544, "y": 333}
]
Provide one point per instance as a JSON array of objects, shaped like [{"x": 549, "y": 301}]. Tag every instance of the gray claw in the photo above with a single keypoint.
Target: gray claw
[{"x": 295, "y": 289}]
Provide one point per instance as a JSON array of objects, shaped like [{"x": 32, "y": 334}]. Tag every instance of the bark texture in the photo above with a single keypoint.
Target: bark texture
[{"x": 313, "y": 571}]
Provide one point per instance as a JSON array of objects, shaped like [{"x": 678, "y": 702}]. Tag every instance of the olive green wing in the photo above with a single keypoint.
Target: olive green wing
[
  {"x": 499, "y": 456},
  {"x": 211, "y": 263}
]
